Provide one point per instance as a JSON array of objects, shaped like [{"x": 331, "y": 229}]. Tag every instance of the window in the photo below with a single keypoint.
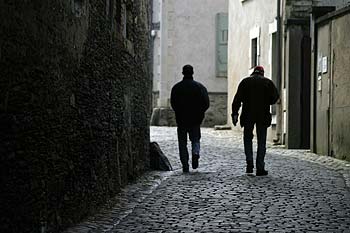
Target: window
[
  {"x": 254, "y": 47},
  {"x": 254, "y": 53},
  {"x": 221, "y": 44},
  {"x": 274, "y": 64}
]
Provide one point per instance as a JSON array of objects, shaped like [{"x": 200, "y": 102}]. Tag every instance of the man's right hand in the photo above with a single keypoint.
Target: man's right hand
[{"x": 234, "y": 119}]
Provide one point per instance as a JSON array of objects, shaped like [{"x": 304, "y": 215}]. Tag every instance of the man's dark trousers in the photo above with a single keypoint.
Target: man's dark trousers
[
  {"x": 194, "y": 133},
  {"x": 261, "y": 132}
]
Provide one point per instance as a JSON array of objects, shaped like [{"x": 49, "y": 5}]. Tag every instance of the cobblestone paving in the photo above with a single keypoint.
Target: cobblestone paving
[{"x": 302, "y": 193}]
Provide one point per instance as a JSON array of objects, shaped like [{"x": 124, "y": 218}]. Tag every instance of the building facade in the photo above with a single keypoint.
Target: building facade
[
  {"x": 252, "y": 42},
  {"x": 330, "y": 83},
  {"x": 276, "y": 35},
  {"x": 296, "y": 69},
  {"x": 190, "y": 32}
]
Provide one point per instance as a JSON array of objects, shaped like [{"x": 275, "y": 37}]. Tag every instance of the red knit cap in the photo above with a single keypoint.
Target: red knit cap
[{"x": 259, "y": 70}]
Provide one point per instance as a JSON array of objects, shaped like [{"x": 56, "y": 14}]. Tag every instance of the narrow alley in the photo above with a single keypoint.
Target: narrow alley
[
  {"x": 87, "y": 86},
  {"x": 302, "y": 193}
]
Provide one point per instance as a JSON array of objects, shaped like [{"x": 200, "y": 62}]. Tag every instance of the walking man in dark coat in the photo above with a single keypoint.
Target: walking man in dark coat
[
  {"x": 190, "y": 100},
  {"x": 256, "y": 93}
]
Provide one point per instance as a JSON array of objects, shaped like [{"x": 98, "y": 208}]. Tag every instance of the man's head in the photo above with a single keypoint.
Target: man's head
[
  {"x": 259, "y": 70},
  {"x": 187, "y": 70}
]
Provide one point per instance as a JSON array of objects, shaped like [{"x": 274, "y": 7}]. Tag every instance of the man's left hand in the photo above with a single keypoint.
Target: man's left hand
[{"x": 234, "y": 119}]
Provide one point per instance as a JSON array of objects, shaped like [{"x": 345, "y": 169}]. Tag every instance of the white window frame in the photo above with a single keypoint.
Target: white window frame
[
  {"x": 272, "y": 30},
  {"x": 254, "y": 34}
]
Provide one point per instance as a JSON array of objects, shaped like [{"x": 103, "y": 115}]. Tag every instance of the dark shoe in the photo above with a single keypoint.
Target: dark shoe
[
  {"x": 262, "y": 173},
  {"x": 249, "y": 170},
  {"x": 195, "y": 159}
]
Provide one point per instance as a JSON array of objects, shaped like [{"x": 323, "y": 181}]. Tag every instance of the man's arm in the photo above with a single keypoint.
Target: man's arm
[
  {"x": 205, "y": 98},
  {"x": 236, "y": 104},
  {"x": 274, "y": 93},
  {"x": 173, "y": 99},
  {"x": 237, "y": 100}
]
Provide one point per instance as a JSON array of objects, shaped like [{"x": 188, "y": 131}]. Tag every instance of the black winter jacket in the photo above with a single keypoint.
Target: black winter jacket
[
  {"x": 256, "y": 93},
  {"x": 189, "y": 99}
]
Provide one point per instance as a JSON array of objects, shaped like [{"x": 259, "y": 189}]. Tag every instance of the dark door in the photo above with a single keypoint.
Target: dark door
[{"x": 305, "y": 91}]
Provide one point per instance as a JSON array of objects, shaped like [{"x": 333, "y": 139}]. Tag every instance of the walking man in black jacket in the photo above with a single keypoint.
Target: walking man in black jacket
[
  {"x": 190, "y": 100},
  {"x": 256, "y": 93}
]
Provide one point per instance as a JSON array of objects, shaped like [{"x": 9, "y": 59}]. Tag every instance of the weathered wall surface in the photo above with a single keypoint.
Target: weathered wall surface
[
  {"x": 332, "y": 84},
  {"x": 341, "y": 87},
  {"x": 217, "y": 112},
  {"x": 188, "y": 27},
  {"x": 184, "y": 25},
  {"x": 74, "y": 107},
  {"x": 243, "y": 17},
  {"x": 296, "y": 33},
  {"x": 301, "y": 8},
  {"x": 322, "y": 93},
  {"x": 215, "y": 115}
]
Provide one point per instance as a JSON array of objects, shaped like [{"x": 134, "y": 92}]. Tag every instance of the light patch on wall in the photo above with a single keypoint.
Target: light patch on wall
[
  {"x": 319, "y": 83},
  {"x": 324, "y": 64}
]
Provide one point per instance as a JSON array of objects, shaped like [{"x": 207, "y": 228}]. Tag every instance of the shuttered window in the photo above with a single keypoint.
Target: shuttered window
[
  {"x": 254, "y": 48},
  {"x": 254, "y": 51},
  {"x": 221, "y": 44}
]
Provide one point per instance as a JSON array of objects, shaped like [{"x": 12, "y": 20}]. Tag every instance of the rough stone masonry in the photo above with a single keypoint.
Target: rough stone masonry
[{"x": 75, "y": 101}]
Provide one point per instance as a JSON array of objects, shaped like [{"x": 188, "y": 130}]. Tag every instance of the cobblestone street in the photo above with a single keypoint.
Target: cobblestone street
[{"x": 302, "y": 193}]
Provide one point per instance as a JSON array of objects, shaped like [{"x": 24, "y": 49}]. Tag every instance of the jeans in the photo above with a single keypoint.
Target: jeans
[
  {"x": 261, "y": 132},
  {"x": 194, "y": 135}
]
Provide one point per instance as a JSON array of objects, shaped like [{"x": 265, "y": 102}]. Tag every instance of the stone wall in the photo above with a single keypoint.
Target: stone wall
[
  {"x": 217, "y": 112},
  {"x": 75, "y": 100},
  {"x": 302, "y": 8},
  {"x": 215, "y": 115}
]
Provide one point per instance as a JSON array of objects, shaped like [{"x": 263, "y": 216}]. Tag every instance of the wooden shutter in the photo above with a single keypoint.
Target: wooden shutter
[{"x": 221, "y": 44}]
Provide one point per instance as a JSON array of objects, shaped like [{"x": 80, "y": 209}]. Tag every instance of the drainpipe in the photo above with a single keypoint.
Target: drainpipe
[{"x": 278, "y": 139}]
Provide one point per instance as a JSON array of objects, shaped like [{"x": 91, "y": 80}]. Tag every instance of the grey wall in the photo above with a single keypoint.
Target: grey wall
[
  {"x": 333, "y": 100},
  {"x": 192, "y": 34},
  {"x": 340, "y": 123},
  {"x": 243, "y": 16},
  {"x": 322, "y": 93},
  {"x": 74, "y": 108},
  {"x": 187, "y": 36},
  {"x": 295, "y": 72},
  {"x": 216, "y": 114},
  {"x": 301, "y": 8}
]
